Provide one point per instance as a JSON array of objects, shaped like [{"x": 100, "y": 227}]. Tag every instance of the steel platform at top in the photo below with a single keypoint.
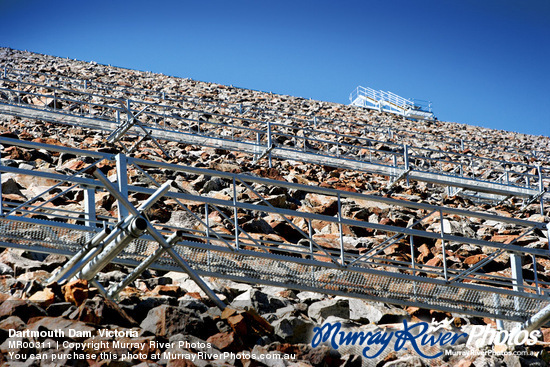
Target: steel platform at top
[
  {"x": 499, "y": 179},
  {"x": 226, "y": 247},
  {"x": 392, "y": 103}
]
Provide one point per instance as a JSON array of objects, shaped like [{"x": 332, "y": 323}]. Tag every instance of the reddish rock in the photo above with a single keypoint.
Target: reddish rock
[
  {"x": 226, "y": 341},
  {"x": 505, "y": 239},
  {"x": 436, "y": 261},
  {"x": 464, "y": 363},
  {"x": 73, "y": 165},
  {"x": 12, "y": 322},
  {"x": 474, "y": 259},
  {"x": 17, "y": 153},
  {"x": 248, "y": 325},
  {"x": 168, "y": 290},
  {"x": 179, "y": 363},
  {"x": 21, "y": 308},
  {"x": 76, "y": 291},
  {"x": 102, "y": 311},
  {"x": 425, "y": 254},
  {"x": 43, "y": 298},
  {"x": 322, "y": 204}
]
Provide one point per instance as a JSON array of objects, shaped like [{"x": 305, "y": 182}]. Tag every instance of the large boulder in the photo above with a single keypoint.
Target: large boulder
[
  {"x": 292, "y": 329},
  {"x": 337, "y": 307},
  {"x": 168, "y": 320}
]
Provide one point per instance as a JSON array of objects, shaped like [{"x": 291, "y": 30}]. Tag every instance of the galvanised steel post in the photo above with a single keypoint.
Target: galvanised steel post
[
  {"x": 517, "y": 276},
  {"x": 235, "y": 214},
  {"x": 310, "y": 236},
  {"x": 541, "y": 189},
  {"x": 89, "y": 207},
  {"x": 496, "y": 301},
  {"x": 269, "y": 143},
  {"x": 258, "y": 147},
  {"x": 122, "y": 180},
  {"x": 443, "y": 245},
  {"x": 406, "y": 158},
  {"x": 340, "y": 231},
  {"x": 536, "y": 276},
  {"x": 207, "y": 220},
  {"x": 411, "y": 244}
]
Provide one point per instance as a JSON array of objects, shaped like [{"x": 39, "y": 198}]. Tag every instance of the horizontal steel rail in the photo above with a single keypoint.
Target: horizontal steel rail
[
  {"x": 425, "y": 164},
  {"x": 307, "y": 264},
  {"x": 251, "y": 110}
]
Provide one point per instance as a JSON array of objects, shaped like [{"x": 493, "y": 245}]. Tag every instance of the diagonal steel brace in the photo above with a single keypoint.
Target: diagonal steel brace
[{"x": 161, "y": 240}]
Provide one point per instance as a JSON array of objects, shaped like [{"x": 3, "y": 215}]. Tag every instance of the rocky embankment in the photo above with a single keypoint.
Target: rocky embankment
[
  {"x": 160, "y": 310},
  {"x": 166, "y": 316}
]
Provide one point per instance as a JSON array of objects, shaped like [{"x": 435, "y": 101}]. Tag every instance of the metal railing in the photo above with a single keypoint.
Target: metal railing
[
  {"x": 351, "y": 258},
  {"x": 390, "y": 102},
  {"x": 388, "y": 131},
  {"x": 306, "y": 143}
]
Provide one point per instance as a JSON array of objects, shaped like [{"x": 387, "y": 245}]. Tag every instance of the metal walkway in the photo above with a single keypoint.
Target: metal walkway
[
  {"x": 215, "y": 238},
  {"x": 391, "y": 102},
  {"x": 249, "y": 110},
  {"x": 469, "y": 174}
]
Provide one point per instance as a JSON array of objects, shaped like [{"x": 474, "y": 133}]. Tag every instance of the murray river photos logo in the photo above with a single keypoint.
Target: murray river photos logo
[{"x": 418, "y": 336}]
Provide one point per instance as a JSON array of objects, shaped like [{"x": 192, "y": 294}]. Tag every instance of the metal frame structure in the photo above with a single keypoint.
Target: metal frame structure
[
  {"x": 390, "y": 132},
  {"x": 390, "y": 102},
  {"x": 224, "y": 249},
  {"x": 469, "y": 175}
]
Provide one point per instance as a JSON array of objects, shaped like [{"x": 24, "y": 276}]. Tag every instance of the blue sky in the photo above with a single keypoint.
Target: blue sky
[{"x": 483, "y": 63}]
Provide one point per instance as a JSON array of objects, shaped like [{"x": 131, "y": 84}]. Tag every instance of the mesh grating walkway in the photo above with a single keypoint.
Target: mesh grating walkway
[
  {"x": 461, "y": 173},
  {"x": 285, "y": 271},
  {"x": 362, "y": 270}
]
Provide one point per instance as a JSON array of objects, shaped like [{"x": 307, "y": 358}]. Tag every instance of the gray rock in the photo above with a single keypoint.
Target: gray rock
[
  {"x": 333, "y": 307},
  {"x": 52, "y": 261},
  {"x": 18, "y": 263},
  {"x": 269, "y": 362},
  {"x": 169, "y": 320},
  {"x": 115, "y": 276},
  {"x": 140, "y": 310},
  {"x": 5, "y": 269},
  {"x": 214, "y": 184},
  {"x": 262, "y": 302},
  {"x": 293, "y": 329},
  {"x": 374, "y": 312},
  {"x": 406, "y": 361},
  {"x": 233, "y": 288},
  {"x": 58, "y": 309},
  {"x": 192, "y": 303},
  {"x": 182, "y": 219},
  {"x": 26, "y": 166},
  {"x": 310, "y": 297},
  {"x": 10, "y": 186},
  {"x": 257, "y": 226},
  {"x": 283, "y": 311}
]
